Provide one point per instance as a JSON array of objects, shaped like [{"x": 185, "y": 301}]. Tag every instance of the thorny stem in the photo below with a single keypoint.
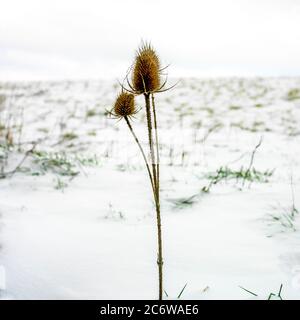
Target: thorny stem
[
  {"x": 155, "y": 171},
  {"x": 160, "y": 254},
  {"x": 150, "y": 136},
  {"x": 143, "y": 153},
  {"x": 160, "y": 259},
  {"x": 156, "y": 143},
  {"x": 154, "y": 178}
]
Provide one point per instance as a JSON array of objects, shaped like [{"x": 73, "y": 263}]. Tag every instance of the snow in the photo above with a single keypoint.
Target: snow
[{"x": 94, "y": 237}]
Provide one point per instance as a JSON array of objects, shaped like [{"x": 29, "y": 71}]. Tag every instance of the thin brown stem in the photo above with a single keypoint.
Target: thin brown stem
[
  {"x": 150, "y": 136},
  {"x": 143, "y": 154},
  {"x": 159, "y": 231},
  {"x": 156, "y": 184},
  {"x": 160, "y": 253},
  {"x": 156, "y": 143}
]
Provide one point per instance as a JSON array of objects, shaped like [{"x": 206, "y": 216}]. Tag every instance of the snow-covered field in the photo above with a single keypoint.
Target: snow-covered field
[{"x": 77, "y": 219}]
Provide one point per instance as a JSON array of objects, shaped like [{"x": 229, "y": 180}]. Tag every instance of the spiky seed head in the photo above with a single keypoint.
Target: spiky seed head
[
  {"x": 124, "y": 105},
  {"x": 146, "y": 70}
]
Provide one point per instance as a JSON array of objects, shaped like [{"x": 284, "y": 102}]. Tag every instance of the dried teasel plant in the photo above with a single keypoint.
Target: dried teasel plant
[
  {"x": 146, "y": 70},
  {"x": 146, "y": 79},
  {"x": 124, "y": 106}
]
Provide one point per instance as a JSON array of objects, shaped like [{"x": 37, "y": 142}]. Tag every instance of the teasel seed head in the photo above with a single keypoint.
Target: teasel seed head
[
  {"x": 146, "y": 70},
  {"x": 124, "y": 105}
]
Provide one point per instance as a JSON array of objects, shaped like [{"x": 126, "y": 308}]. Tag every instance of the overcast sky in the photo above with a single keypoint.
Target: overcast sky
[{"x": 62, "y": 39}]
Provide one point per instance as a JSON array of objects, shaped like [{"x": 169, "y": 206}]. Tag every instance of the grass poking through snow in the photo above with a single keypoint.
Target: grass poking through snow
[{"x": 224, "y": 174}]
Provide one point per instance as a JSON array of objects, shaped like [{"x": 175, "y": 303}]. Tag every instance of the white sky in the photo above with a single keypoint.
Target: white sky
[{"x": 62, "y": 39}]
